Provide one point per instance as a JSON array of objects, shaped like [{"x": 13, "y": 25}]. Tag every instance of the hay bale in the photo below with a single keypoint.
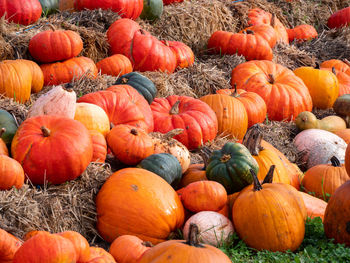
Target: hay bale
[
  {"x": 18, "y": 110},
  {"x": 53, "y": 208}
]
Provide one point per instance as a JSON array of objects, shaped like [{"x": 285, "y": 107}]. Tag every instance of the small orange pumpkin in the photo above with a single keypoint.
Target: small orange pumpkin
[
  {"x": 116, "y": 65},
  {"x": 11, "y": 173}
]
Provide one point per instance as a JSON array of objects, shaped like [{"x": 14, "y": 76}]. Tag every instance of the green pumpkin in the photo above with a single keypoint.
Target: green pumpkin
[
  {"x": 231, "y": 166},
  {"x": 152, "y": 9},
  {"x": 165, "y": 165},
  {"x": 139, "y": 82},
  {"x": 9, "y": 123},
  {"x": 49, "y": 6}
]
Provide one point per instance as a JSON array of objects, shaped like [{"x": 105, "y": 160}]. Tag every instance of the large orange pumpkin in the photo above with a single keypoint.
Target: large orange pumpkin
[
  {"x": 8, "y": 246},
  {"x": 11, "y": 173},
  {"x": 134, "y": 201},
  {"x": 51, "y": 148}
]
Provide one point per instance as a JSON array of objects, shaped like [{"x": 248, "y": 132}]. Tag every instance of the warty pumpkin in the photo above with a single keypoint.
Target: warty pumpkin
[{"x": 21, "y": 12}]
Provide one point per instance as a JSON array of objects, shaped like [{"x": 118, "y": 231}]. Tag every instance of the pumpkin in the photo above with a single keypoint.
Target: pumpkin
[
  {"x": 275, "y": 207},
  {"x": 342, "y": 71},
  {"x": 152, "y": 9},
  {"x": 183, "y": 53},
  {"x": 322, "y": 180},
  {"x": 127, "y": 248},
  {"x": 265, "y": 157},
  {"x": 8, "y": 246},
  {"x": 49, "y": 6},
  {"x": 337, "y": 216},
  {"x": 323, "y": 86},
  {"x": 123, "y": 105},
  {"x": 231, "y": 166},
  {"x": 141, "y": 83},
  {"x": 258, "y": 16},
  {"x": 266, "y": 31},
  {"x": 52, "y": 148},
  {"x": 338, "y": 65},
  {"x": 32, "y": 233},
  {"x": 315, "y": 207},
  {"x": 214, "y": 228},
  {"x": 129, "y": 144},
  {"x": 204, "y": 196},
  {"x": 93, "y": 117},
  {"x": 8, "y": 122},
  {"x": 195, "y": 117},
  {"x": 339, "y": 19},
  {"x": 302, "y": 33},
  {"x": 68, "y": 70},
  {"x": 249, "y": 45},
  {"x": 115, "y": 65},
  {"x": 99, "y": 146},
  {"x": 165, "y": 165},
  {"x": 3, "y": 146},
  {"x": 253, "y": 104},
  {"x": 307, "y": 120},
  {"x": 190, "y": 250},
  {"x": 126, "y": 9},
  {"x": 59, "y": 101},
  {"x": 21, "y": 12},
  {"x": 164, "y": 143},
  {"x": 15, "y": 80},
  {"x": 341, "y": 105},
  {"x": 285, "y": 94},
  {"x": 66, "y": 5},
  {"x": 81, "y": 245},
  {"x": 151, "y": 206},
  {"x": 11, "y": 173},
  {"x": 46, "y": 247},
  {"x": 318, "y": 146},
  {"x": 55, "y": 45},
  {"x": 344, "y": 134},
  {"x": 99, "y": 255},
  {"x": 231, "y": 114},
  {"x": 168, "y": 2},
  {"x": 347, "y": 159},
  {"x": 37, "y": 74}
]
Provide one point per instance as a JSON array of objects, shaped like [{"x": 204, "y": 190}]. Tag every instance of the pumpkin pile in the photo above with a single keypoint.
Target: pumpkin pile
[{"x": 199, "y": 165}]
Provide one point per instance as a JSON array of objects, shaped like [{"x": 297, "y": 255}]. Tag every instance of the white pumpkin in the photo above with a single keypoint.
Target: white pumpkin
[
  {"x": 57, "y": 101},
  {"x": 214, "y": 228},
  {"x": 318, "y": 146}
]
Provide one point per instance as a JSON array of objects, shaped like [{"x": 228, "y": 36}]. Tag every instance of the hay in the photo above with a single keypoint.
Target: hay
[
  {"x": 18, "y": 110},
  {"x": 53, "y": 208},
  {"x": 193, "y": 22}
]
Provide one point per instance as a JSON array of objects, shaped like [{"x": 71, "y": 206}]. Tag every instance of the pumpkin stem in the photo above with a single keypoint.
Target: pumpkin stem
[
  {"x": 257, "y": 185},
  {"x": 68, "y": 87},
  {"x": 147, "y": 244},
  {"x": 225, "y": 158},
  {"x": 234, "y": 93},
  {"x": 124, "y": 80},
  {"x": 269, "y": 176},
  {"x": 249, "y": 32},
  {"x": 252, "y": 140},
  {"x": 172, "y": 133},
  {"x": 46, "y": 132},
  {"x": 52, "y": 27},
  {"x": 175, "y": 108},
  {"x": 271, "y": 79},
  {"x": 134, "y": 132},
  {"x": 2, "y": 131},
  {"x": 193, "y": 233},
  {"x": 205, "y": 153},
  {"x": 333, "y": 71},
  {"x": 335, "y": 161},
  {"x": 273, "y": 20}
]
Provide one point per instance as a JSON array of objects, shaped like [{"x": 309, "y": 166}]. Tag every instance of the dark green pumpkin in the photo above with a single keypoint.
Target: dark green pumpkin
[
  {"x": 9, "y": 123},
  {"x": 231, "y": 166},
  {"x": 49, "y": 6},
  {"x": 152, "y": 9},
  {"x": 165, "y": 165},
  {"x": 139, "y": 82}
]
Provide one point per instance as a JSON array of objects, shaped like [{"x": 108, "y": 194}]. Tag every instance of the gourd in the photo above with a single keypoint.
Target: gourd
[{"x": 307, "y": 120}]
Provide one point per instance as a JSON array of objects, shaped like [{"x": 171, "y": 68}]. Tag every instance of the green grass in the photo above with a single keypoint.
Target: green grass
[{"x": 315, "y": 248}]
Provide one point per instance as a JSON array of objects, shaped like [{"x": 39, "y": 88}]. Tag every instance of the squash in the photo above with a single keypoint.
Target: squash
[
  {"x": 49, "y": 6},
  {"x": 8, "y": 122},
  {"x": 307, "y": 120},
  {"x": 152, "y": 9}
]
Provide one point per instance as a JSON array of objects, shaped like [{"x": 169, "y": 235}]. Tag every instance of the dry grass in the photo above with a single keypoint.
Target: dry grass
[{"x": 18, "y": 110}]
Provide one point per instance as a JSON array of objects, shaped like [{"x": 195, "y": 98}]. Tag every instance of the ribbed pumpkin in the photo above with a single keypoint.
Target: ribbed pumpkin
[
  {"x": 11, "y": 173},
  {"x": 189, "y": 250},
  {"x": 195, "y": 117},
  {"x": 55, "y": 45},
  {"x": 123, "y": 105},
  {"x": 8, "y": 122},
  {"x": 323, "y": 86},
  {"x": 342, "y": 71},
  {"x": 52, "y": 149},
  {"x": 99, "y": 255},
  {"x": 130, "y": 193},
  {"x": 184, "y": 54},
  {"x": 32, "y": 233},
  {"x": 285, "y": 94},
  {"x": 302, "y": 33},
  {"x": 99, "y": 146},
  {"x": 46, "y": 247},
  {"x": 21, "y": 12},
  {"x": 115, "y": 65},
  {"x": 165, "y": 165},
  {"x": 267, "y": 32},
  {"x": 337, "y": 216},
  {"x": 93, "y": 117},
  {"x": 8, "y": 246},
  {"x": 231, "y": 166},
  {"x": 141, "y": 83},
  {"x": 322, "y": 180},
  {"x": 341, "y": 18},
  {"x": 81, "y": 245},
  {"x": 275, "y": 208},
  {"x": 315, "y": 207},
  {"x": 253, "y": 104},
  {"x": 231, "y": 114},
  {"x": 129, "y": 144},
  {"x": 64, "y": 72},
  {"x": 247, "y": 44},
  {"x": 37, "y": 74},
  {"x": 15, "y": 80}
]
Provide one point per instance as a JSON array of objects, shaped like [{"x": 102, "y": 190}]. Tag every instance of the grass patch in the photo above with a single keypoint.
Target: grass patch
[{"x": 315, "y": 248}]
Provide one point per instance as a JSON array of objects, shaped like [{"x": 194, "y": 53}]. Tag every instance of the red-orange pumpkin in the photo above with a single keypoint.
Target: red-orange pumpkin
[
  {"x": 115, "y": 65},
  {"x": 265, "y": 31},
  {"x": 184, "y": 54},
  {"x": 341, "y": 18},
  {"x": 99, "y": 146},
  {"x": 11, "y": 173},
  {"x": 342, "y": 71},
  {"x": 81, "y": 245},
  {"x": 302, "y": 33},
  {"x": 21, "y": 12},
  {"x": 99, "y": 255},
  {"x": 8, "y": 246}
]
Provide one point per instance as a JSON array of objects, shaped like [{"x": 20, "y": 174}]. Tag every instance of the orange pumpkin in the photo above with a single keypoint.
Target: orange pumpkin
[
  {"x": 265, "y": 31},
  {"x": 3, "y": 147},
  {"x": 134, "y": 201},
  {"x": 32, "y": 233},
  {"x": 315, "y": 207},
  {"x": 37, "y": 75},
  {"x": 99, "y": 255},
  {"x": 99, "y": 146},
  {"x": 11, "y": 173},
  {"x": 302, "y": 33},
  {"x": 344, "y": 134},
  {"x": 81, "y": 246},
  {"x": 8, "y": 246},
  {"x": 342, "y": 71},
  {"x": 116, "y": 65},
  {"x": 184, "y": 54}
]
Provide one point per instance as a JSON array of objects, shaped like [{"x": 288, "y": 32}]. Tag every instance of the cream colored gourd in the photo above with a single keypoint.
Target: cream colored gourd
[
  {"x": 307, "y": 120},
  {"x": 57, "y": 101}
]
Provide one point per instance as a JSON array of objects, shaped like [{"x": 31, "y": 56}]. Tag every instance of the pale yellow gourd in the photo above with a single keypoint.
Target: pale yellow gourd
[{"x": 307, "y": 120}]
